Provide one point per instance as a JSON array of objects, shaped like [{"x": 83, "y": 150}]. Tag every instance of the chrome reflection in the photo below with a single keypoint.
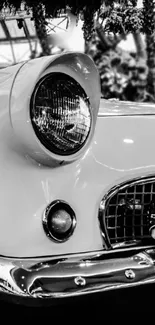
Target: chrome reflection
[
  {"x": 132, "y": 201},
  {"x": 60, "y": 114},
  {"x": 69, "y": 275}
]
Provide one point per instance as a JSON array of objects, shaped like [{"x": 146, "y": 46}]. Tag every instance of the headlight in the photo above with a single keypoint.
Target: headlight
[{"x": 60, "y": 113}]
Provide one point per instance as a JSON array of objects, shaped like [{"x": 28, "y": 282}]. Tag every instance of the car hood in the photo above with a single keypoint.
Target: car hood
[{"x": 114, "y": 107}]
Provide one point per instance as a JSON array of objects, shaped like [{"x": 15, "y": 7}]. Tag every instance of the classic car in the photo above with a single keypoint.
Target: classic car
[{"x": 77, "y": 183}]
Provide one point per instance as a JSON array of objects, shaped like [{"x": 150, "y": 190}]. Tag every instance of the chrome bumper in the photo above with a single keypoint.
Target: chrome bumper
[{"x": 46, "y": 278}]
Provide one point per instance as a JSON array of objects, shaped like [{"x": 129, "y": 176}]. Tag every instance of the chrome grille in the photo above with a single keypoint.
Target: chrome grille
[{"x": 127, "y": 213}]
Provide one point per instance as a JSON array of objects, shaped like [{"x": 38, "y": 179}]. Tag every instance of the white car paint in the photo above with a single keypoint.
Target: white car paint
[{"x": 122, "y": 148}]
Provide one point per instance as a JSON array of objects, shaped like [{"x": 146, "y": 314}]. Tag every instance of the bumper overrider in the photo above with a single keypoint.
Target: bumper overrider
[{"x": 38, "y": 280}]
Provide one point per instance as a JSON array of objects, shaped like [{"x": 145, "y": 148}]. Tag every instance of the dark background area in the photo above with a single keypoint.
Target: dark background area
[{"x": 130, "y": 304}]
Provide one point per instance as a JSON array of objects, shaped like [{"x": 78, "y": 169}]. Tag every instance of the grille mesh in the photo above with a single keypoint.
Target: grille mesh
[{"x": 130, "y": 213}]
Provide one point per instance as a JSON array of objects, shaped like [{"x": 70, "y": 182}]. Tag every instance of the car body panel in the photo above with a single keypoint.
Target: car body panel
[
  {"x": 121, "y": 149},
  {"x": 27, "y": 187},
  {"x": 114, "y": 107},
  {"x": 118, "y": 150}
]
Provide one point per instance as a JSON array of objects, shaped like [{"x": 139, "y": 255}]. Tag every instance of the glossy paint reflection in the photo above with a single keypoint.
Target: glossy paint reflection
[
  {"x": 114, "y": 107},
  {"x": 29, "y": 187},
  {"x": 121, "y": 149}
]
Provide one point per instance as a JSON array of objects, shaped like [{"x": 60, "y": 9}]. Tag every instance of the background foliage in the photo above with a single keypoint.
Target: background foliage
[{"x": 126, "y": 76}]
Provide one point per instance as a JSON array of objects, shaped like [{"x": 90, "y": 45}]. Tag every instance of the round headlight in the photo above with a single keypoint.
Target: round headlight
[
  {"x": 60, "y": 114},
  {"x": 59, "y": 221}
]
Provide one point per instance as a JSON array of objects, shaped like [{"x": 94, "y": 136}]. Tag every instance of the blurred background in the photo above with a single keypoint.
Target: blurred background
[{"x": 122, "y": 48}]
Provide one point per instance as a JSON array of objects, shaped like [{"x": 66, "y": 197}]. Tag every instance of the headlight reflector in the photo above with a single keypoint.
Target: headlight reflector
[{"x": 60, "y": 114}]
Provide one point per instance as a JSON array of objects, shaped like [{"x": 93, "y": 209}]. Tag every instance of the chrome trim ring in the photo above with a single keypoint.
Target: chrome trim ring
[
  {"x": 53, "y": 206},
  {"x": 103, "y": 205}
]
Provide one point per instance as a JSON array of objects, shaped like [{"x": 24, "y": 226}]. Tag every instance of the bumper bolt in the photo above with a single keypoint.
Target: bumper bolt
[
  {"x": 130, "y": 274},
  {"x": 80, "y": 281}
]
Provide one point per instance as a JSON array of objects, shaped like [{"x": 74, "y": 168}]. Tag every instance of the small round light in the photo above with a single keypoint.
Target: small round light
[
  {"x": 59, "y": 221},
  {"x": 60, "y": 114}
]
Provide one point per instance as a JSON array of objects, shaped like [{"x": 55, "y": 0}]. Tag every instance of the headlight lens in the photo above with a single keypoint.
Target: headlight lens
[{"x": 60, "y": 114}]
